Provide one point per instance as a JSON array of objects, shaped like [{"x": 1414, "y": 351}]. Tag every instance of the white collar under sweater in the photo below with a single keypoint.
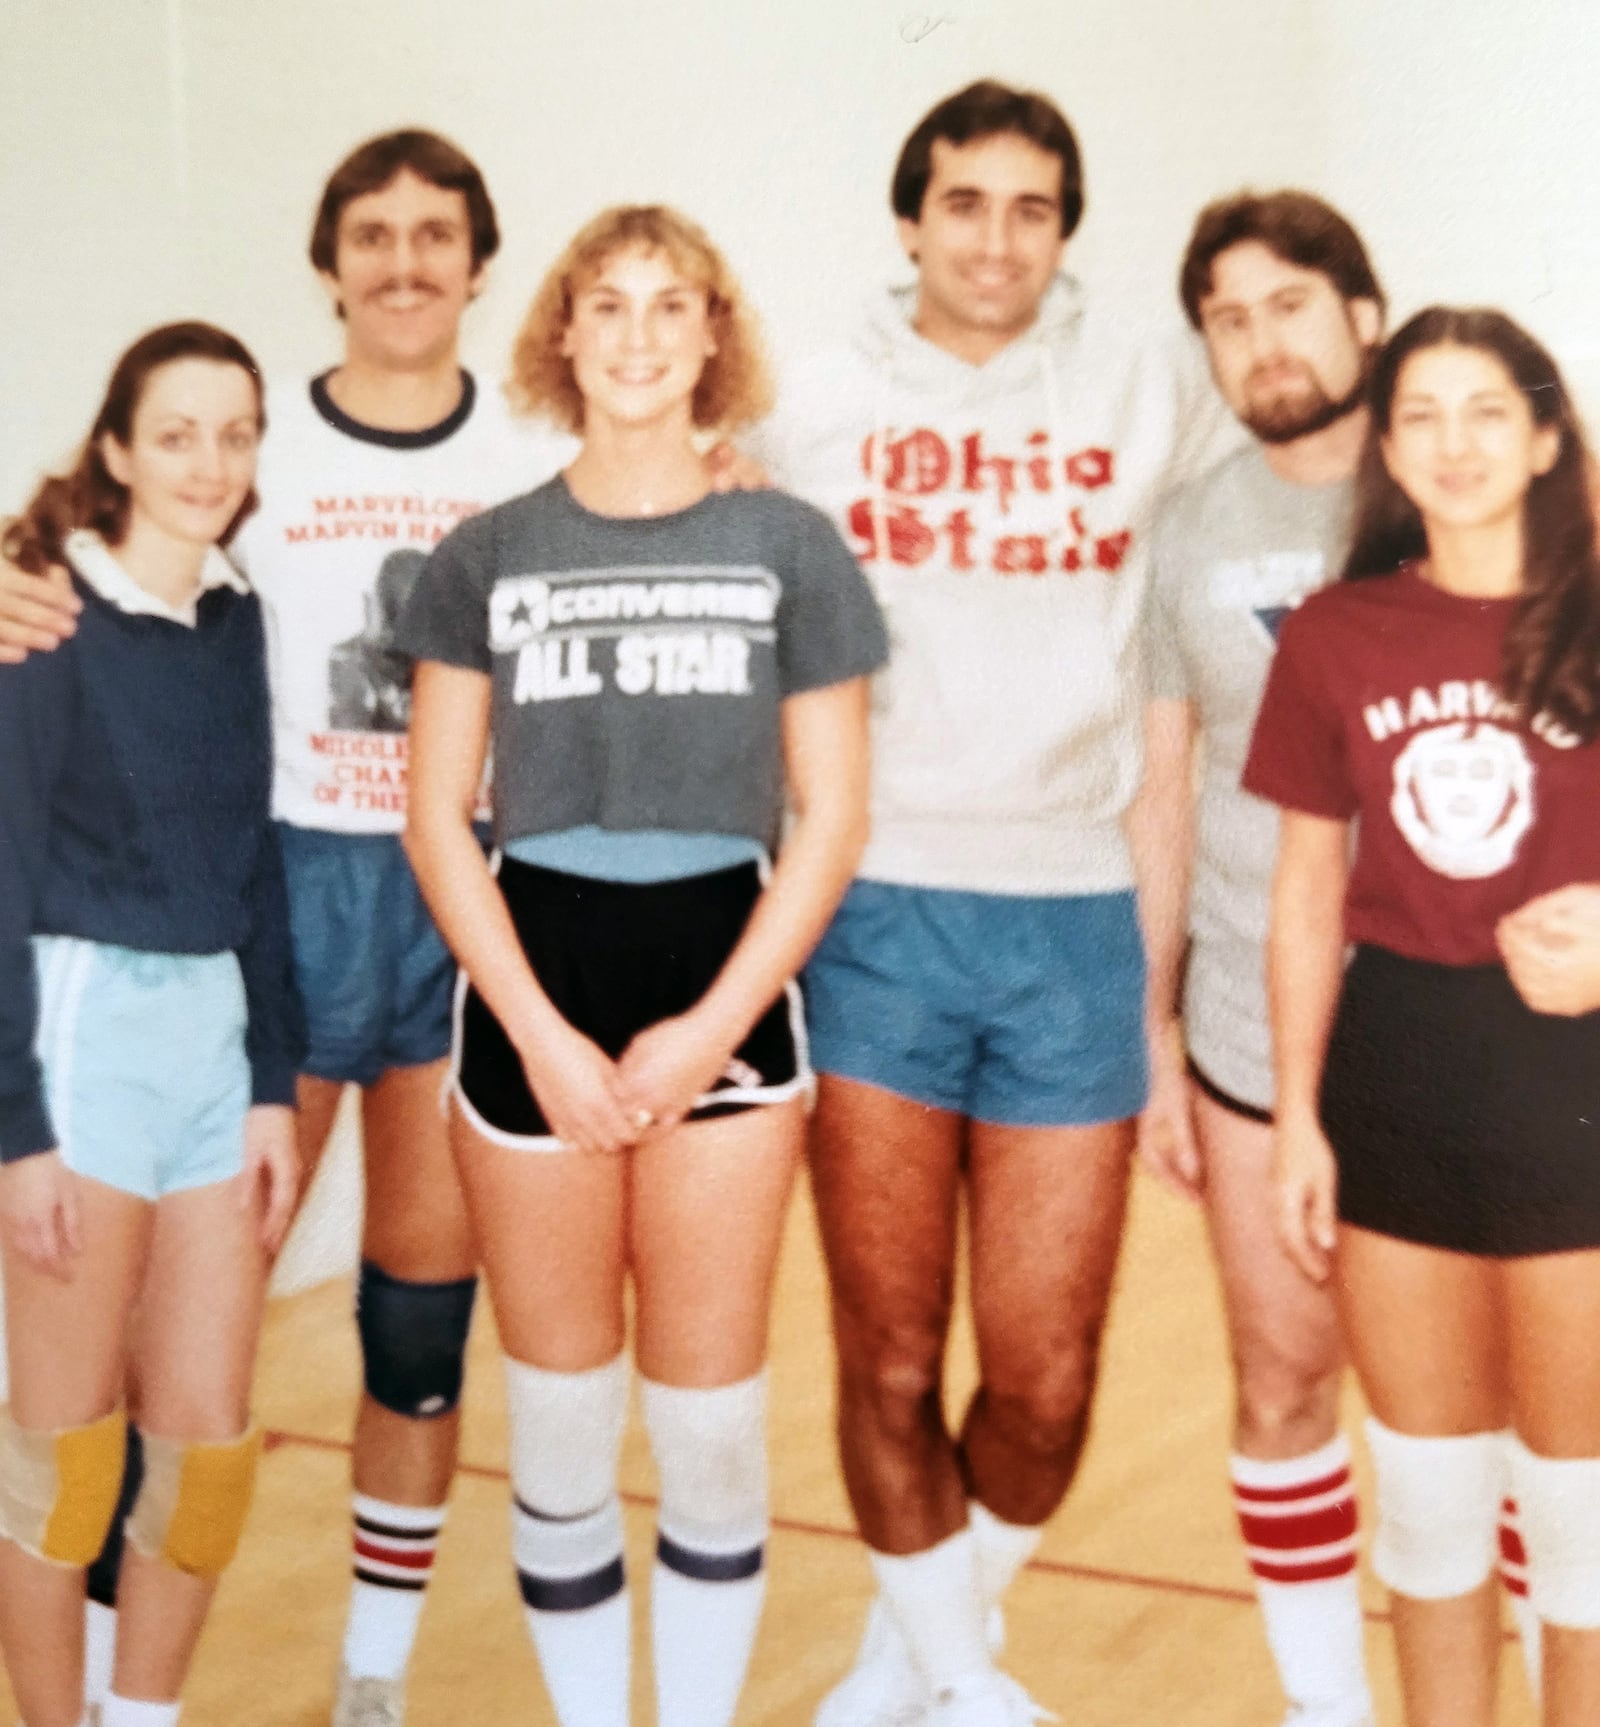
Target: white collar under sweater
[{"x": 94, "y": 560}]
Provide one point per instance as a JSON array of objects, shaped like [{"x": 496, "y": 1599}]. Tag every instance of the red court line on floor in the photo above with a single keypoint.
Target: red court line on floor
[{"x": 276, "y": 1438}]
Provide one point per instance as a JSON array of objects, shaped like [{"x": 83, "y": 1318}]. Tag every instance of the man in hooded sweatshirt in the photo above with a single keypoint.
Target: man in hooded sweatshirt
[{"x": 993, "y": 451}]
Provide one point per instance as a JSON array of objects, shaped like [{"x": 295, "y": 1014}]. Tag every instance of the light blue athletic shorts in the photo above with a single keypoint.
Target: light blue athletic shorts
[
  {"x": 144, "y": 1063},
  {"x": 375, "y": 976},
  {"x": 1013, "y": 1009}
]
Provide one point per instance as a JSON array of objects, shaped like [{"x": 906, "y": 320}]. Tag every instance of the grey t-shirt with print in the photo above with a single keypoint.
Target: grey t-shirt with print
[
  {"x": 1234, "y": 552},
  {"x": 639, "y": 662}
]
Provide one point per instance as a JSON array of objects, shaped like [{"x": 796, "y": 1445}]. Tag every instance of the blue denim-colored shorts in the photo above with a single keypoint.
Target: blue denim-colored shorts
[
  {"x": 144, "y": 1063},
  {"x": 374, "y": 973},
  {"x": 1019, "y": 1010}
]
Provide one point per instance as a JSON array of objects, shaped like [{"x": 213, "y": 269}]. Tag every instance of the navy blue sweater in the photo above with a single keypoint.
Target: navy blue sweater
[{"x": 135, "y": 789}]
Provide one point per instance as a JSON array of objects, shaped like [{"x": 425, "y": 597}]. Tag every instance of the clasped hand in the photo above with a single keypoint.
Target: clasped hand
[{"x": 595, "y": 1104}]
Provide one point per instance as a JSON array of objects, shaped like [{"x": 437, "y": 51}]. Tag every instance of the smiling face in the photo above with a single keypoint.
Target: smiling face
[
  {"x": 1288, "y": 352},
  {"x": 1462, "y": 441},
  {"x": 986, "y": 243},
  {"x": 638, "y": 339},
  {"x": 403, "y": 273},
  {"x": 190, "y": 459}
]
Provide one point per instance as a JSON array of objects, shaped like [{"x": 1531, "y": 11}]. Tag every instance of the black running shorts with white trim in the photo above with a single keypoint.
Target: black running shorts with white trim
[
  {"x": 1459, "y": 1117},
  {"x": 615, "y": 958}
]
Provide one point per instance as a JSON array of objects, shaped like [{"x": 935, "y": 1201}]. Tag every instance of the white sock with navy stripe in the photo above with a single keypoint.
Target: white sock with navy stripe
[
  {"x": 394, "y": 1552},
  {"x": 1298, "y": 1518},
  {"x": 710, "y": 1574},
  {"x": 575, "y": 1591},
  {"x": 566, "y": 1534}
]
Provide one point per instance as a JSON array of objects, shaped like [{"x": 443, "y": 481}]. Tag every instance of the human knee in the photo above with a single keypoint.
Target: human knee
[
  {"x": 413, "y": 1341},
  {"x": 193, "y": 1500},
  {"x": 1283, "y": 1409},
  {"x": 1438, "y": 1510},
  {"x": 58, "y": 1490},
  {"x": 1558, "y": 1499},
  {"x": 894, "y": 1375},
  {"x": 1044, "y": 1417},
  {"x": 710, "y": 1447},
  {"x": 566, "y": 1435}
]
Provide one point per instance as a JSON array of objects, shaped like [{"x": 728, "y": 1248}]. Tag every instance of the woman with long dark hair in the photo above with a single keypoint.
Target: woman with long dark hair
[
  {"x": 149, "y": 1032},
  {"x": 1439, "y": 1099}
]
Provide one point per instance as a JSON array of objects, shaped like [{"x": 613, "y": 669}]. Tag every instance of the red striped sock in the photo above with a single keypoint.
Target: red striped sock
[
  {"x": 1298, "y": 1518},
  {"x": 1514, "y": 1575},
  {"x": 394, "y": 1547}
]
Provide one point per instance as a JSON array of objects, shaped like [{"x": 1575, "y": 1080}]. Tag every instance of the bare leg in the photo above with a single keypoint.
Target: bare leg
[
  {"x": 65, "y": 1351},
  {"x": 200, "y": 1312},
  {"x": 416, "y": 1230},
  {"x": 1283, "y": 1329},
  {"x": 316, "y": 1104},
  {"x": 1047, "y": 1212},
  {"x": 886, "y": 1173},
  {"x": 1427, "y": 1337},
  {"x": 708, "y": 1208},
  {"x": 1552, "y": 1304},
  {"x": 550, "y": 1231}
]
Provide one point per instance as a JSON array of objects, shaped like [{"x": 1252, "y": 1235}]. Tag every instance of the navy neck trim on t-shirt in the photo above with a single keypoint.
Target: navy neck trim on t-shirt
[{"x": 424, "y": 439}]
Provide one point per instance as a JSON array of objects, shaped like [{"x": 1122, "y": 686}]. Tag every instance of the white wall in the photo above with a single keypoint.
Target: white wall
[
  {"x": 1464, "y": 136},
  {"x": 161, "y": 158}
]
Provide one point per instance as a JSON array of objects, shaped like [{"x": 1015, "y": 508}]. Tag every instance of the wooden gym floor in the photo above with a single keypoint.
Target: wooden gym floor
[{"x": 1137, "y": 1612}]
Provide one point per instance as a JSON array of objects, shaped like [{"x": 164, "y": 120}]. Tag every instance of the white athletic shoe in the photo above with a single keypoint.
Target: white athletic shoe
[
  {"x": 991, "y": 1699},
  {"x": 369, "y": 1702},
  {"x": 884, "y": 1688},
  {"x": 1298, "y": 1717}
]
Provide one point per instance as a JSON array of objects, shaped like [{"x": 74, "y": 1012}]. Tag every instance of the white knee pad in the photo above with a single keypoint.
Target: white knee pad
[
  {"x": 711, "y": 1453},
  {"x": 1559, "y": 1502},
  {"x": 566, "y": 1435},
  {"x": 1438, "y": 1510}
]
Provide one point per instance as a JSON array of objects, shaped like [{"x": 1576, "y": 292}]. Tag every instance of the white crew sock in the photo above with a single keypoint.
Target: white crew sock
[
  {"x": 118, "y": 1711},
  {"x": 578, "y": 1612},
  {"x": 934, "y": 1598},
  {"x": 1298, "y": 1518},
  {"x": 1003, "y": 1549},
  {"x": 710, "y": 1574},
  {"x": 394, "y": 1552},
  {"x": 99, "y": 1649},
  {"x": 566, "y": 1432}
]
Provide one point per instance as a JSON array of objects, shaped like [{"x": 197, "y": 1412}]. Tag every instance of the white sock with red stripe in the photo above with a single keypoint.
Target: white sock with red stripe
[
  {"x": 1514, "y": 1575},
  {"x": 394, "y": 1549},
  {"x": 1298, "y": 1517}
]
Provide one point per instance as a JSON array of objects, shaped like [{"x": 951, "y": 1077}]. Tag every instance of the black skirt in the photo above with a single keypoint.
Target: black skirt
[{"x": 1461, "y": 1118}]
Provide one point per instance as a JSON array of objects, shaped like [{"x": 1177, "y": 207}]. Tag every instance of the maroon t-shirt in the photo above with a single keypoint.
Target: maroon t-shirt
[{"x": 1383, "y": 704}]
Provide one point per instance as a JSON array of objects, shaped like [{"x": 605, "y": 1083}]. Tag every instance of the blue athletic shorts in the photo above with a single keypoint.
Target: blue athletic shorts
[
  {"x": 144, "y": 1063},
  {"x": 1023, "y": 1011},
  {"x": 374, "y": 973}
]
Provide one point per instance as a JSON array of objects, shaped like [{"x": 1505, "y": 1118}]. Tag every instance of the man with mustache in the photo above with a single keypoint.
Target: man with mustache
[{"x": 384, "y": 453}]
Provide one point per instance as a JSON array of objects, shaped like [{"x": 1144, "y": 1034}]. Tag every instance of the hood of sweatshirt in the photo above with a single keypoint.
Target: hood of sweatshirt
[{"x": 1001, "y": 512}]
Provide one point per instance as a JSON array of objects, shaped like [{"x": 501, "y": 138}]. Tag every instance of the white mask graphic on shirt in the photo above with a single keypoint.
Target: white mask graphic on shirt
[{"x": 1463, "y": 797}]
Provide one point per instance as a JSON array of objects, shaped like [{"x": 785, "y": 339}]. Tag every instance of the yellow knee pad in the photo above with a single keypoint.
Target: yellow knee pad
[
  {"x": 192, "y": 1504},
  {"x": 58, "y": 1491}
]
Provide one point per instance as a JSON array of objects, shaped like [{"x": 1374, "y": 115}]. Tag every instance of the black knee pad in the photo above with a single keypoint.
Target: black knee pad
[{"x": 413, "y": 1340}]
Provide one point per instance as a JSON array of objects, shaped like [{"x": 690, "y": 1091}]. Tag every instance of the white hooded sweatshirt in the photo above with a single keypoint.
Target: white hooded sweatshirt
[{"x": 1003, "y": 513}]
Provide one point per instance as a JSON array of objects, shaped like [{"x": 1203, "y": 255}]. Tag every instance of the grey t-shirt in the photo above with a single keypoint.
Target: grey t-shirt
[
  {"x": 639, "y": 662},
  {"x": 1233, "y": 553}
]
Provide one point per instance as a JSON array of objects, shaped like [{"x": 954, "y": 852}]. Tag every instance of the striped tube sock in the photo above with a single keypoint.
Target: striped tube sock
[
  {"x": 394, "y": 1550},
  {"x": 575, "y": 1592},
  {"x": 1514, "y": 1575},
  {"x": 1298, "y": 1518}
]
